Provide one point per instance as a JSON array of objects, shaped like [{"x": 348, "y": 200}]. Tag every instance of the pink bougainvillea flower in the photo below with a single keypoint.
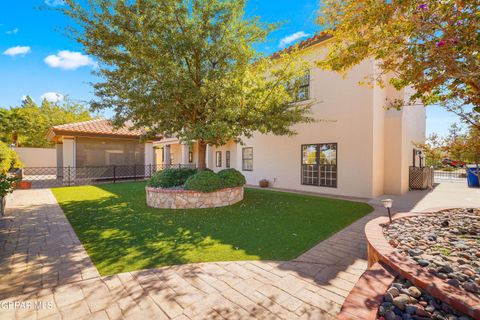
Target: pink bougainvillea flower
[
  {"x": 423, "y": 6},
  {"x": 440, "y": 44}
]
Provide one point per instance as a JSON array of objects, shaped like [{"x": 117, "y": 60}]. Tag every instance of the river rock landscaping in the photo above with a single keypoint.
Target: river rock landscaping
[
  {"x": 403, "y": 301},
  {"x": 447, "y": 244}
]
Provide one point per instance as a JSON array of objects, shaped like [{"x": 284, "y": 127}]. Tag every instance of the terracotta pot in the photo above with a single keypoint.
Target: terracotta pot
[
  {"x": 24, "y": 185},
  {"x": 264, "y": 183}
]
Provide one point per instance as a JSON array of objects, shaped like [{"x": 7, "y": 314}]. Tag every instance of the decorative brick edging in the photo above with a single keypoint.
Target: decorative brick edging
[
  {"x": 367, "y": 295},
  {"x": 189, "y": 199},
  {"x": 379, "y": 250}
]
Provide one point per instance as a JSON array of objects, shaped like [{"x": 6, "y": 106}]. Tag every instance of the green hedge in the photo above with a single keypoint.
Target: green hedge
[
  {"x": 170, "y": 178},
  {"x": 232, "y": 178},
  {"x": 208, "y": 181},
  {"x": 9, "y": 159},
  {"x": 204, "y": 181}
]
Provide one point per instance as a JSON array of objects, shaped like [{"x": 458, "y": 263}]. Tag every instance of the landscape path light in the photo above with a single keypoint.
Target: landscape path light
[{"x": 388, "y": 203}]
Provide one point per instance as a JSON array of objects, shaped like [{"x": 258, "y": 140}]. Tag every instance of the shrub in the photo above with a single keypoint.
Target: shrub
[
  {"x": 170, "y": 178},
  {"x": 205, "y": 181},
  {"x": 232, "y": 178},
  {"x": 9, "y": 159}
]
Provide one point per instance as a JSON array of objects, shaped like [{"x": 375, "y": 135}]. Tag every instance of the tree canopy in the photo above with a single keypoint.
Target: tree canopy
[
  {"x": 28, "y": 124},
  {"x": 460, "y": 144},
  {"x": 188, "y": 68},
  {"x": 432, "y": 46}
]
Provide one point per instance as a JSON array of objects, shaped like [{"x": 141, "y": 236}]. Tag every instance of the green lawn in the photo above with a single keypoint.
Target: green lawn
[{"x": 122, "y": 234}]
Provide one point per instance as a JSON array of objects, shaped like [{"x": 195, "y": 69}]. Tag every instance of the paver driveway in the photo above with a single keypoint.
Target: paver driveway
[{"x": 44, "y": 266}]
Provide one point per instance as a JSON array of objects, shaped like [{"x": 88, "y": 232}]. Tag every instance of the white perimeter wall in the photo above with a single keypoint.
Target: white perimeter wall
[{"x": 37, "y": 157}]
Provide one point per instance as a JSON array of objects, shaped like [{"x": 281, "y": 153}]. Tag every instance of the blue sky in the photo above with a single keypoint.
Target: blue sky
[{"x": 38, "y": 59}]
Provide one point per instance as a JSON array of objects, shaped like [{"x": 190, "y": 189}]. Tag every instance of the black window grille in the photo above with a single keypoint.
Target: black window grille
[{"x": 319, "y": 165}]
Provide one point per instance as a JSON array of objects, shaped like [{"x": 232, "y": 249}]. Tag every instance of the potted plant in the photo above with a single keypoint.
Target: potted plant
[
  {"x": 264, "y": 183},
  {"x": 23, "y": 184},
  {"x": 7, "y": 184}
]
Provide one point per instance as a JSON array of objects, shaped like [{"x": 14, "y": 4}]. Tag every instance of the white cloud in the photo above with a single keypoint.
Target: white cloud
[
  {"x": 292, "y": 38},
  {"x": 54, "y": 3},
  {"x": 18, "y": 50},
  {"x": 52, "y": 96},
  {"x": 13, "y": 31},
  {"x": 69, "y": 60}
]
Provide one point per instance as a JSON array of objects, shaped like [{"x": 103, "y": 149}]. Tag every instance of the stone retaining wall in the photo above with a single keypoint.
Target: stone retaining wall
[
  {"x": 189, "y": 199},
  {"x": 379, "y": 250}
]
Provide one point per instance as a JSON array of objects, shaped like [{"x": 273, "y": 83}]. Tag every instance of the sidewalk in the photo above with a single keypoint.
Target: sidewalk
[{"x": 42, "y": 260}]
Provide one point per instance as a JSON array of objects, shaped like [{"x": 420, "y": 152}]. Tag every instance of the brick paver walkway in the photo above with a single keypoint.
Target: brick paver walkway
[{"x": 44, "y": 266}]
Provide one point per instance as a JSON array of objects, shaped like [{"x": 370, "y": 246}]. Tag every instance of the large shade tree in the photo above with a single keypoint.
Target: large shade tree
[
  {"x": 430, "y": 45},
  {"x": 188, "y": 68}
]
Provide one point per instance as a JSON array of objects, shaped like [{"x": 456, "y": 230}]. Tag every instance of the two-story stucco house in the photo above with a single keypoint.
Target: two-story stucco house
[{"x": 356, "y": 147}]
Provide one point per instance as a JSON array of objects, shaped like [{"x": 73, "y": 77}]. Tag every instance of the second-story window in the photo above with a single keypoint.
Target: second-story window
[
  {"x": 299, "y": 88},
  {"x": 303, "y": 91}
]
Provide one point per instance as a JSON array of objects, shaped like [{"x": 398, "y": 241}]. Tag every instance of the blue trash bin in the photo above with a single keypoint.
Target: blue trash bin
[{"x": 472, "y": 177}]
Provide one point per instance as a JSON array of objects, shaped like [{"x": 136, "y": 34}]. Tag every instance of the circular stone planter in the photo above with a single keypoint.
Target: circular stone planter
[
  {"x": 380, "y": 250},
  {"x": 189, "y": 199}
]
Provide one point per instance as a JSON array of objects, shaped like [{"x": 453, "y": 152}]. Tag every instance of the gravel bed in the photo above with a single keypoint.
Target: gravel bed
[
  {"x": 403, "y": 301},
  {"x": 446, "y": 244}
]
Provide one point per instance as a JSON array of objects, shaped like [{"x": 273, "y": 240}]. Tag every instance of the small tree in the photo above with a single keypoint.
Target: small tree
[
  {"x": 433, "y": 150},
  {"x": 432, "y": 46},
  {"x": 456, "y": 144},
  {"x": 188, "y": 68},
  {"x": 12, "y": 125}
]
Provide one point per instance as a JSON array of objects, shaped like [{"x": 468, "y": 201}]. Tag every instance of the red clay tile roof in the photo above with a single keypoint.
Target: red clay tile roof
[
  {"x": 303, "y": 44},
  {"x": 96, "y": 127}
]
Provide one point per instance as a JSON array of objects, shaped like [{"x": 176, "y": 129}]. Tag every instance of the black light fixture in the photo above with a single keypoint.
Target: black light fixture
[{"x": 387, "y": 203}]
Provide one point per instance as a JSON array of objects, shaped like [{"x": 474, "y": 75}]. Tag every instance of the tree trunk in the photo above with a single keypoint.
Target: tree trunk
[
  {"x": 202, "y": 155},
  {"x": 2, "y": 205},
  {"x": 15, "y": 139}
]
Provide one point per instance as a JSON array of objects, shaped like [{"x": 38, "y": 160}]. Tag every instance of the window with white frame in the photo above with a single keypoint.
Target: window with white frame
[{"x": 247, "y": 159}]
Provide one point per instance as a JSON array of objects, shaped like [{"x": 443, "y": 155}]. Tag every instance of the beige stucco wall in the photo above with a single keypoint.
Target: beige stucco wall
[
  {"x": 374, "y": 145},
  {"x": 344, "y": 112},
  {"x": 176, "y": 152},
  {"x": 37, "y": 157},
  {"x": 69, "y": 157},
  {"x": 232, "y": 147}
]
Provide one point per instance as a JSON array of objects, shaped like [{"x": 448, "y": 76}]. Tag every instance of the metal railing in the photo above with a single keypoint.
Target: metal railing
[
  {"x": 50, "y": 177},
  {"x": 457, "y": 175}
]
